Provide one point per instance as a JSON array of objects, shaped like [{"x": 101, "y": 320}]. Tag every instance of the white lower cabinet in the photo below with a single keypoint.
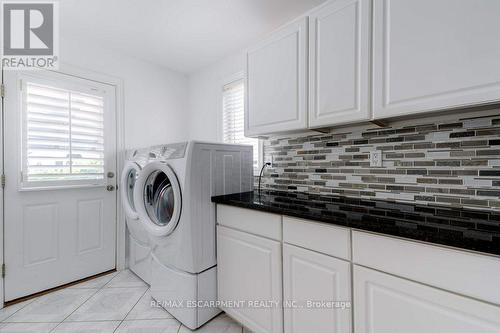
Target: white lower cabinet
[
  {"x": 317, "y": 292},
  {"x": 306, "y": 270},
  {"x": 249, "y": 269},
  {"x": 387, "y": 304}
]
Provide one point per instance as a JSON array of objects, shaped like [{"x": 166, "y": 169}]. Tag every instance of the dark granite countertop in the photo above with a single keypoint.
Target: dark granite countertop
[{"x": 469, "y": 229}]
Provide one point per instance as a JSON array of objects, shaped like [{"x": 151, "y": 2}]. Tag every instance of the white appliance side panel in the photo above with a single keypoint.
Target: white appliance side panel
[
  {"x": 202, "y": 210},
  {"x": 207, "y": 291},
  {"x": 213, "y": 169},
  {"x": 139, "y": 260},
  {"x": 169, "y": 285},
  {"x": 232, "y": 170}
]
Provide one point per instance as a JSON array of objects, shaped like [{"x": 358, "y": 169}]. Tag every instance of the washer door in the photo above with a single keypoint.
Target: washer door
[
  {"x": 129, "y": 177},
  {"x": 157, "y": 197}
]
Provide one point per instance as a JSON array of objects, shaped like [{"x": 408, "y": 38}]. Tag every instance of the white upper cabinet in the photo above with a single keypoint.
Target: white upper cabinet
[
  {"x": 276, "y": 89},
  {"x": 430, "y": 55},
  {"x": 339, "y": 61}
]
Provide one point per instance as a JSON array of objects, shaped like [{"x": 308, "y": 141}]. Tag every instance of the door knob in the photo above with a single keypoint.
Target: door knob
[
  {"x": 111, "y": 174},
  {"x": 110, "y": 188}
]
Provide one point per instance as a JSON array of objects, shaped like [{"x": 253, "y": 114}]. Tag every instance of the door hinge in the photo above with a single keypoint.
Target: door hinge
[
  {"x": 3, "y": 181},
  {"x": 2, "y": 90},
  {"x": 3, "y": 270}
]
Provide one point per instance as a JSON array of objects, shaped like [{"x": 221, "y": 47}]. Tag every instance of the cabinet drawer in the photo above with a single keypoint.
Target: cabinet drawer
[
  {"x": 254, "y": 222},
  {"x": 466, "y": 273},
  {"x": 321, "y": 237},
  {"x": 388, "y": 304}
]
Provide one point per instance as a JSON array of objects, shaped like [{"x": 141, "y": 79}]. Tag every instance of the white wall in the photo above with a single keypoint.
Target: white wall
[
  {"x": 155, "y": 98},
  {"x": 205, "y": 97}
]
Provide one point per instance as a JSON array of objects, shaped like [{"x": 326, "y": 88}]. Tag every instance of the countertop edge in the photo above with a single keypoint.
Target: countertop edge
[{"x": 429, "y": 238}]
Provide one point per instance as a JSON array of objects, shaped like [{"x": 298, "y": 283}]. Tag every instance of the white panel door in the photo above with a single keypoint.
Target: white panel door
[
  {"x": 276, "y": 89},
  {"x": 311, "y": 276},
  {"x": 249, "y": 269},
  {"x": 387, "y": 304},
  {"x": 60, "y": 217},
  {"x": 430, "y": 55},
  {"x": 339, "y": 63}
]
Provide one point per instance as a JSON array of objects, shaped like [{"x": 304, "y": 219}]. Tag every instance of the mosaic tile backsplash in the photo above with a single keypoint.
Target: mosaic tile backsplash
[{"x": 449, "y": 162}]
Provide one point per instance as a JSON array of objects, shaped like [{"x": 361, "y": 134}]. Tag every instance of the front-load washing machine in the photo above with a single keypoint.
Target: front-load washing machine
[
  {"x": 138, "y": 243},
  {"x": 173, "y": 198}
]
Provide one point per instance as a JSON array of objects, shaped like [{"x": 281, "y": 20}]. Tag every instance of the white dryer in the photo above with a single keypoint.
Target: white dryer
[
  {"x": 173, "y": 197},
  {"x": 138, "y": 243}
]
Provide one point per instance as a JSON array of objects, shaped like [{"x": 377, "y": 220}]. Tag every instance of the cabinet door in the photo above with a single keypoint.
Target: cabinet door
[
  {"x": 249, "y": 269},
  {"x": 310, "y": 276},
  {"x": 276, "y": 89},
  {"x": 387, "y": 304},
  {"x": 431, "y": 55},
  {"x": 339, "y": 60}
]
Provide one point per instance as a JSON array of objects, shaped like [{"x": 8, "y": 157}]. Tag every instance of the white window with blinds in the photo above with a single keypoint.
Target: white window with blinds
[
  {"x": 233, "y": 108},
  {"x": 63, "y": 133}
]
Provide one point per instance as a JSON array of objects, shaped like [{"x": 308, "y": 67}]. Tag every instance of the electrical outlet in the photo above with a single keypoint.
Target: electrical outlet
[{"x": 376, "y": 158}]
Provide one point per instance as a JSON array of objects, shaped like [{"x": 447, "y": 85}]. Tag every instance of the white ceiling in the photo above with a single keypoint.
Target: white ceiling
[{"x": 184, "y": 35}]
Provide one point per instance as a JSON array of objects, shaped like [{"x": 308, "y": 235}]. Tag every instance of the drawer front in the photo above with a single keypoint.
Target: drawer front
[
  {"x": 252, "y": 221},
  {"x": 388, "y": 304},
  {"x": 321, "y": 237},
  {"x": 465, "y": 273}
]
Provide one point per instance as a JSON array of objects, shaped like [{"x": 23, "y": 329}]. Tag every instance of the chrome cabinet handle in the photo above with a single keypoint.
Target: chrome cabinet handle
[{"x": 110, "y": 188}]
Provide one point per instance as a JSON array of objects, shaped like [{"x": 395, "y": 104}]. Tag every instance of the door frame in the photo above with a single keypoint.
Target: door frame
[
  {"x": 118, "y": 84},
  {"x": 2, "y": 198}
]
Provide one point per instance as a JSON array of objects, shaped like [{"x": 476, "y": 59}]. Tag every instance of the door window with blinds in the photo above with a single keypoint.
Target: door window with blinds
[
  {"x": 233, "y": 117},
  {"x": 63, "y": 134}
]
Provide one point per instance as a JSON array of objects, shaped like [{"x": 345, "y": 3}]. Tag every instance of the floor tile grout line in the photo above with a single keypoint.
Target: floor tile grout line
[
  {"x": 117, "y": 273},
  {"x": 27, "y": 322},
  {"x": 136, "y": 303},
  {"x": 96, "y": 291},
  {"x": 58, "y": 323},
  {"x": 119, "y": 324},
  {"x": 131, "y": 309},
  {"x": 146, "y": 319},
  {"x": 31, "y": 322},
  {"x": 22, "y": 307}
]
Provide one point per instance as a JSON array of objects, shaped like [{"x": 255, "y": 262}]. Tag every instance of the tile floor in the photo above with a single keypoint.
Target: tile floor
[{"x": 117, "y": 302}]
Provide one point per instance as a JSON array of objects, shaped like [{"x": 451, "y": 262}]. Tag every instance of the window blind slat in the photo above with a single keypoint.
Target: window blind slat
[
  {"x": 233, "y": 118},
  {"x": 64, "y": 134}
]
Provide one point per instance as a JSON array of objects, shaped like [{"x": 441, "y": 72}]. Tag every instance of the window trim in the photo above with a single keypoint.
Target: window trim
[
  {"x": 220, "y": 126},
  {"x": 63, "y": 81}
]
